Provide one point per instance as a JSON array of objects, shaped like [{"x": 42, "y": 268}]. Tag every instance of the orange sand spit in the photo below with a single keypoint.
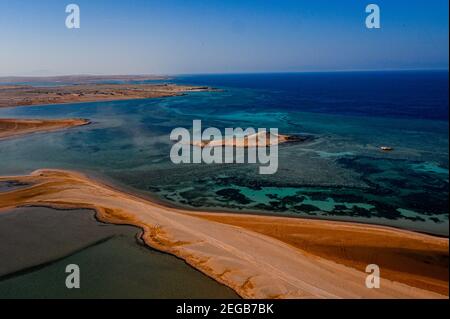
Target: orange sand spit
[
  {"x": 419, "y": 261},
  {"x": 258, "y": 257},
  {"x": 17, "y": 127}
]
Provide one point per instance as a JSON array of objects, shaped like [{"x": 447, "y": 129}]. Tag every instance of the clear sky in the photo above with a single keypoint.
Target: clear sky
[{"x": 209, "y": 36}]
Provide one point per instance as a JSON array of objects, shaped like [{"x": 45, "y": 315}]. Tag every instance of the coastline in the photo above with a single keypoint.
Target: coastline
[
  {"x": 24, "y": 95},
  {"x": 252, "y": 263}
]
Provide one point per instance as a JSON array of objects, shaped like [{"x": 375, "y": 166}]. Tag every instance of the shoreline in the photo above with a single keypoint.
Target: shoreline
[
  {"x": 253, "y": 264},
  {"x": 146, "y": 195}
]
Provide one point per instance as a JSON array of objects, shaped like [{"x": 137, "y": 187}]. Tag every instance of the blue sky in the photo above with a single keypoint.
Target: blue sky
[{"x": 209, "y": 36}]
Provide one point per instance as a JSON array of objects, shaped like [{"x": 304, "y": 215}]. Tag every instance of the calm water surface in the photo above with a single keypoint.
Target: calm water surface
[{"x": 38, "y": 243}]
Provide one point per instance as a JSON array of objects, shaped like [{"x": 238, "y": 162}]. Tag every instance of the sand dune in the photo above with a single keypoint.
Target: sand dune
[{"x": 254, "y": 262}]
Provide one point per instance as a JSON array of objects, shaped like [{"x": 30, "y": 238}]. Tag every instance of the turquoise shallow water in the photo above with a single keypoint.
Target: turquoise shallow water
[{"x": 339, "y": 173}]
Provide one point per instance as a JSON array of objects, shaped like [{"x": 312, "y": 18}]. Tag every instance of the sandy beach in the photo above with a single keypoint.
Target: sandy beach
[
  {"x": 19, "y": 127},
  {"x": 417, "y": 260},
  {"x": 258, "y": 257}
]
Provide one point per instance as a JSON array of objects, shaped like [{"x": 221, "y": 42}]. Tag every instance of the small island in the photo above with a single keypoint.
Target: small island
[{"x": 260, "y": 139}]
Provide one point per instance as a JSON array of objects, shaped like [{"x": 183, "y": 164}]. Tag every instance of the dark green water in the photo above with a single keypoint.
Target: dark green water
[{"x": 38, "y": 243}]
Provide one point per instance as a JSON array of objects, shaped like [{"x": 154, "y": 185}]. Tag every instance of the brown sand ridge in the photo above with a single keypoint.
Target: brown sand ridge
[
  {"x": 262, "y": 257},
  {"x": 21, "y": 95},
  {"x": 18, "y": 127}
]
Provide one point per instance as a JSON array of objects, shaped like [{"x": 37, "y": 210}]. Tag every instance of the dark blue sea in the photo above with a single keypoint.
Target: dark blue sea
[
  {"x": 338, "y": 173},
  {"x": 407, "y": 94}
]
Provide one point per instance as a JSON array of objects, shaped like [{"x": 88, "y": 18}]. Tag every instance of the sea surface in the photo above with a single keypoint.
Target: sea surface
[{"x": 338, "y": 173}]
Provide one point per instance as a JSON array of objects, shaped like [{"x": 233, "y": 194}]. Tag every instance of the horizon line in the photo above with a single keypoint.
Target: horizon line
[{"x": 230, "y": 73}]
